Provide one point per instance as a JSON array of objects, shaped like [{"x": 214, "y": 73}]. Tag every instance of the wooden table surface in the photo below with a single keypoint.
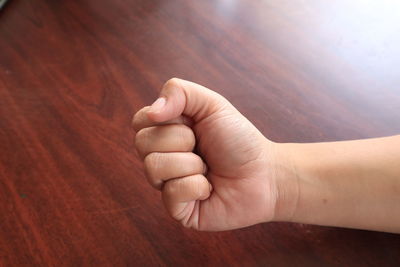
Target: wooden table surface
[{"x": 72, "y": 73}]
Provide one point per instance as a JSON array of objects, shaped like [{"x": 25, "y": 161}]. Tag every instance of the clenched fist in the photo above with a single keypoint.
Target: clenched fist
[{"x": 215, "y": 170}]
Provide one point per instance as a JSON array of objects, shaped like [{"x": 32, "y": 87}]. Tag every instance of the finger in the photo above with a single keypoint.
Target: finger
[
  {"x": 179, "y": 194},
  {"x": 166, "y": 138},
  {"x": 179, "y": 97},
  {"x": 141, "y": 120},
  {"x": 161, "y": 167}
]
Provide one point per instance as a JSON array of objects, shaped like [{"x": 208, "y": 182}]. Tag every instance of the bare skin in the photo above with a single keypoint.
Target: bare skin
[{"x": 217, "y": 172}]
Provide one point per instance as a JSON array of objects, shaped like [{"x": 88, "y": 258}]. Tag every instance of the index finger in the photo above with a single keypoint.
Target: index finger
[{"x": 140, "y": 120}]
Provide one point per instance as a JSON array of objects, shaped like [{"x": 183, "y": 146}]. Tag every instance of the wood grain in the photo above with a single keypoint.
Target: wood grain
[{"x": 72, "y": 73}]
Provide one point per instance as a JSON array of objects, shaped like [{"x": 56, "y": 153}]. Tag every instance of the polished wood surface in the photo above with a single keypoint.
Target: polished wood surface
[{"x": 72, "y": 73}]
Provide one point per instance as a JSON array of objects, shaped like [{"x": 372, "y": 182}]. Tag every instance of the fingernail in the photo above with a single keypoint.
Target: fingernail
[
  {"x": 158, "y": 105},
  {"x": 211, "y": 188}
]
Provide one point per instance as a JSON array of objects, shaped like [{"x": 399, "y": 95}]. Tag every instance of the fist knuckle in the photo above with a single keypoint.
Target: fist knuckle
[
  {"x": 134, "y": 121},
  {"x": 197, "y": 159},
  {"x": 186, "y": 136},
  {"x": 141, "y": 139},
  {"x": 138, "y": 117},
  {"x": 171, "y": 187},
  {"x": 152, "y": 164},
  {"x": 172, "y": 82}
]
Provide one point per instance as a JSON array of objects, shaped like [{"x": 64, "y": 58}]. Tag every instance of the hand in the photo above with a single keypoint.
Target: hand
[{"x": 216, "y": 171}]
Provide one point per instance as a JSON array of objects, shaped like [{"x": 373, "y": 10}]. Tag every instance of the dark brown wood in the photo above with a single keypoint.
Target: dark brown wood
[{"x": 72, "y": 73}]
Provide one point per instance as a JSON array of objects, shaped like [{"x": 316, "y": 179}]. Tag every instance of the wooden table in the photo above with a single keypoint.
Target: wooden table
[{"x": 72, "y": 73}]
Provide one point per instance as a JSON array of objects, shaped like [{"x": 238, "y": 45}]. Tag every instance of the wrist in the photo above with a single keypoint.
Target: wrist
[{"x": 288, "y": 176}]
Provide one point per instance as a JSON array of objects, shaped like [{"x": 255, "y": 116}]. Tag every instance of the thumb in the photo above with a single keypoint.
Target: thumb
[{"x": 180, "y": 97}]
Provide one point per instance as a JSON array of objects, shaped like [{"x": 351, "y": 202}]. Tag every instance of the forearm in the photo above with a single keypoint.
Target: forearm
[{"x": 353, "y": 184}]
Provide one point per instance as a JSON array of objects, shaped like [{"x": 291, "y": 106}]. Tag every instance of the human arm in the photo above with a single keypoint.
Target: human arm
[
  {"x": 216, "y": 171},
  {"x": 353, "y": 184}
]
